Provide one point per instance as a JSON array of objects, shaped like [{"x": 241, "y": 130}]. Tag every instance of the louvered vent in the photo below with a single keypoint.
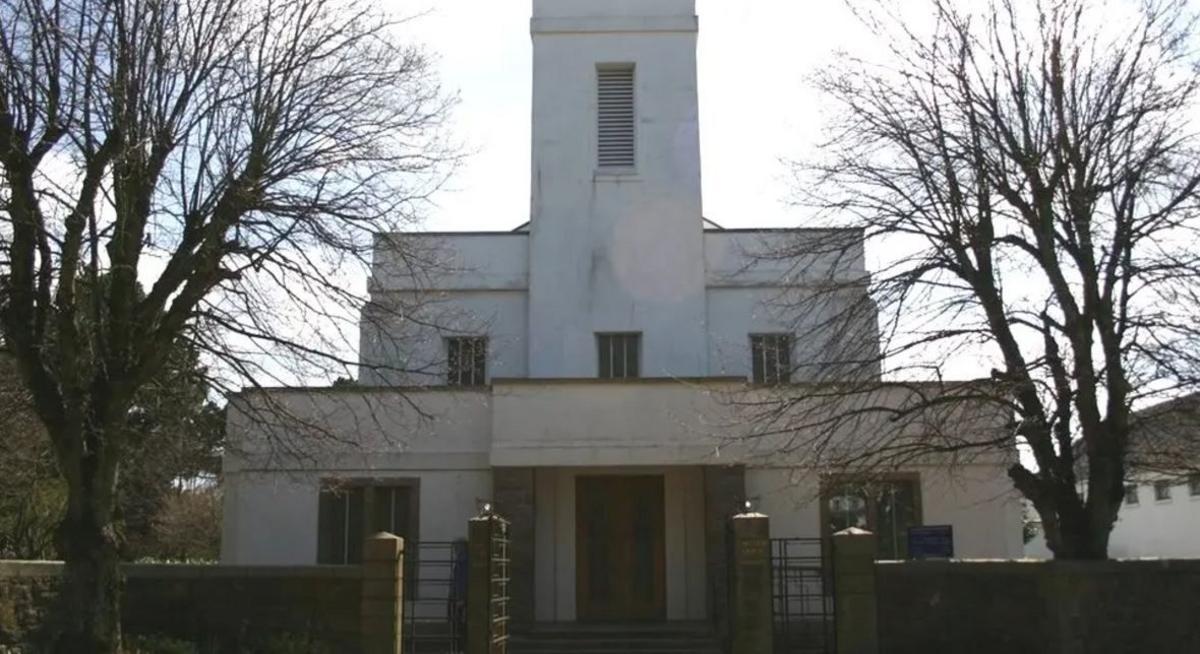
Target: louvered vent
[{"x": 615, "y": 119}]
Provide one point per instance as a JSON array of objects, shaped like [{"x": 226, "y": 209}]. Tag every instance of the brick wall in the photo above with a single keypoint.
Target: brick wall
[
  {"x": 1046, "y": 606},
  {"x": 225, "y": 606}
]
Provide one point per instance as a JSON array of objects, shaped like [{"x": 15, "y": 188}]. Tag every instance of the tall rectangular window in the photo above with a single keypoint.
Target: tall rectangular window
[
  {"x": 771, "y": 356},
  {"x": 615, "y": 116},
  {"x": 1162, "y": 491},
  {"x": 886, "y": 508},
  {"x": 1131, "y": 494},
  {"x": 619, "y": 355},
  {"x": 466, "y": 361},
  {"x": 350, "y": 512},
  {"x": 340, "y": 526},
  {"x": 1194, "y": 485}
]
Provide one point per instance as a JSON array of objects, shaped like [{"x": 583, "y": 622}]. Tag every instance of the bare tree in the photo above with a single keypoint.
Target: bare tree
[
  {"x": 1024, "y": 176},
  {"x": 239, "y": 159}
]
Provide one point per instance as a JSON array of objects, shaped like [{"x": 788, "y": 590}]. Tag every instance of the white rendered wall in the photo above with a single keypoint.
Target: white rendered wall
[
  {"x": 751, "y": 290},
  {"x": 978, "y": 501},
  {"x": 615, "y": 252},
  {"x": 605, "y": 423},
  {"x": 444, "y": 261},
  {"x": 271, "y": 517},
  {"x": 736, "y": 313},
  {"x": 273, "y": 466},
  {"x": 592, "y": 8},
  {"x": 411, "y": 350},
  {"x": 554, "y": 567},
  {"x": 465, "y": 284},
  {"x": 1161, "y": 528}
]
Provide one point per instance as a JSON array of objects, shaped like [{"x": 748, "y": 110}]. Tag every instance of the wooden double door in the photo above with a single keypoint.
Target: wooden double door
[{"x": 620, "y": 548}]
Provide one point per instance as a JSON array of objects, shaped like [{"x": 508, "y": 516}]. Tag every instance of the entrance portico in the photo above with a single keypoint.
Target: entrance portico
[{"x": 619, "y": 544}]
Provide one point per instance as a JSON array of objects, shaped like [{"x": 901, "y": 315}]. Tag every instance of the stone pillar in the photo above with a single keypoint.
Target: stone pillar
[
  {"x": 479, "y": 584},
  {"x": 854, "y": 599},
  {"x": 512, "y": 490},
  {"x": 752, "y": 625},
  {"x": 724, "y": 497},
  {"x": 382, "y": 594}
]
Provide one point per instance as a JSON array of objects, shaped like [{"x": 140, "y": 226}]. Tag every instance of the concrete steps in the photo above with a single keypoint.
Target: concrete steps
[{"x": 628, "y": 638}]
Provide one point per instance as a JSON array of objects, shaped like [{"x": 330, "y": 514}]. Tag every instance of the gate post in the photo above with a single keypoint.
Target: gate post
[
  {"x": 487, "y": 584},
  {"x": 382, "y": 594},
  {"x": 750, "y": 600},
  {"x": 854, "y": 598},
  {"x": 479, "y": 581}
]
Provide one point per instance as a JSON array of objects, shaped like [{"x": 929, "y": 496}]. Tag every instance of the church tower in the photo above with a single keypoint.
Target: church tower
[{"x": 616, "y": 241}]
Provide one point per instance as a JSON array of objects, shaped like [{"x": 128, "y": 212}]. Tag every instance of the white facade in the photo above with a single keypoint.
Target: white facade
[
  {"x": 1152, "y": 526},
  {"x": 1159, "y": 527},
  {"x": 605, "y": 251}
]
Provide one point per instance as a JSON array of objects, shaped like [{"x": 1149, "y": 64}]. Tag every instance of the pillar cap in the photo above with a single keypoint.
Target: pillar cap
[{"x": 750, "y": 515}]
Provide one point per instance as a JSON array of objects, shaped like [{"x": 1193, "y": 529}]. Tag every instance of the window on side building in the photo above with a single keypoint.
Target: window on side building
[
  {"x": 1194, "y": 485},
  {"x": 349, "y": 512},
  {"x": 466, "y": 361},
  {"x": 771, "y": 358},
  {"x": 619, "y": 355},
  {"x": 1131, "y": 494},
  {"x": 885, "y": 507},
  {"x": 1162, "y": 491}
]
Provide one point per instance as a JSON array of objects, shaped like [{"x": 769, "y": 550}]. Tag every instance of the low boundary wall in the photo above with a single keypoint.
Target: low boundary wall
[
  {"x": 227, "y": 608},
  {"x": 1039, "y": 606}
]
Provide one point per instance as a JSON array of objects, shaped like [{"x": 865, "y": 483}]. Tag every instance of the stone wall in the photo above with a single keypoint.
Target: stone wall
[
  {"x": 1043, "y": 606},
  {"x": 724, "y": 497},
  {"x": 226, "y": 607},
  {"x": 27, "y": 590},
  {"x": 513, "y": 494}
]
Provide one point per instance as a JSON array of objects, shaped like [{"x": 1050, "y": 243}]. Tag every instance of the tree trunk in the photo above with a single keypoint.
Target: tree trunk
[
  {"x": 1079, "y": 536},
  {"x": 89, "y": 600}
]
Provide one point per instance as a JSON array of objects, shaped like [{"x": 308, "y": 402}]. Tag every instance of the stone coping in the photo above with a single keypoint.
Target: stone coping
[
  {"x": 9, "y": 569},
  {"x": 1030, "y": 565}
]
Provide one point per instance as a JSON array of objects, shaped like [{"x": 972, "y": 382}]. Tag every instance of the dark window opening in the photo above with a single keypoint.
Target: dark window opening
[
  {"x": 1162, "y": 491},
  {"x": 886, "y": 508},
  {"x": 466, "y": 361},
  {"x": 619, "y": 355},
  {"x": 771, "y": 358},
  {"x": 349, "y": 512}
]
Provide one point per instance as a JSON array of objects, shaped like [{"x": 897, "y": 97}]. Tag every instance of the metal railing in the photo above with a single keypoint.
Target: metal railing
[
  {"x": 801, "y": 597},
  {"x": 435, "y": 598}
]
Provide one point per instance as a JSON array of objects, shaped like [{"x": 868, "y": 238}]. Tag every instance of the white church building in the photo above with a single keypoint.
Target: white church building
[{"x": 575, "y": 372}]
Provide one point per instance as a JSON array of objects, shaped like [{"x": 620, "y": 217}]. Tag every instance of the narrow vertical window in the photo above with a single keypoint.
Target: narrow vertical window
[
  {"x": 1131, "y": 494},
  {"x": 615, "y": 117},
  {"x": 347, "y": 513},
  {"x": 771, "y": 358},
  {"x": 466, "y": 361},
  {"x": 340, "y": 526},
  {"x": 619, "y": 355},
  {"x": 886, "y": 508},
  {"x": 1162, "y": 491}
]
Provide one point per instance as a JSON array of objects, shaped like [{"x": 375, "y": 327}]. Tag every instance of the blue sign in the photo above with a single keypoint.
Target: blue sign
[{"x": 931, "y": 542}]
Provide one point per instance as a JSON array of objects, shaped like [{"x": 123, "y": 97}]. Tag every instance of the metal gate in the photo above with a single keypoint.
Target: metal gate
[
  {"x": 435, "y": 597},
  {"x": 801, "y": 597}
]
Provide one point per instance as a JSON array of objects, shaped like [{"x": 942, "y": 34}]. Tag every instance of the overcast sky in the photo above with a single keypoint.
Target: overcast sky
[{"x": 755, "y": 108}]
